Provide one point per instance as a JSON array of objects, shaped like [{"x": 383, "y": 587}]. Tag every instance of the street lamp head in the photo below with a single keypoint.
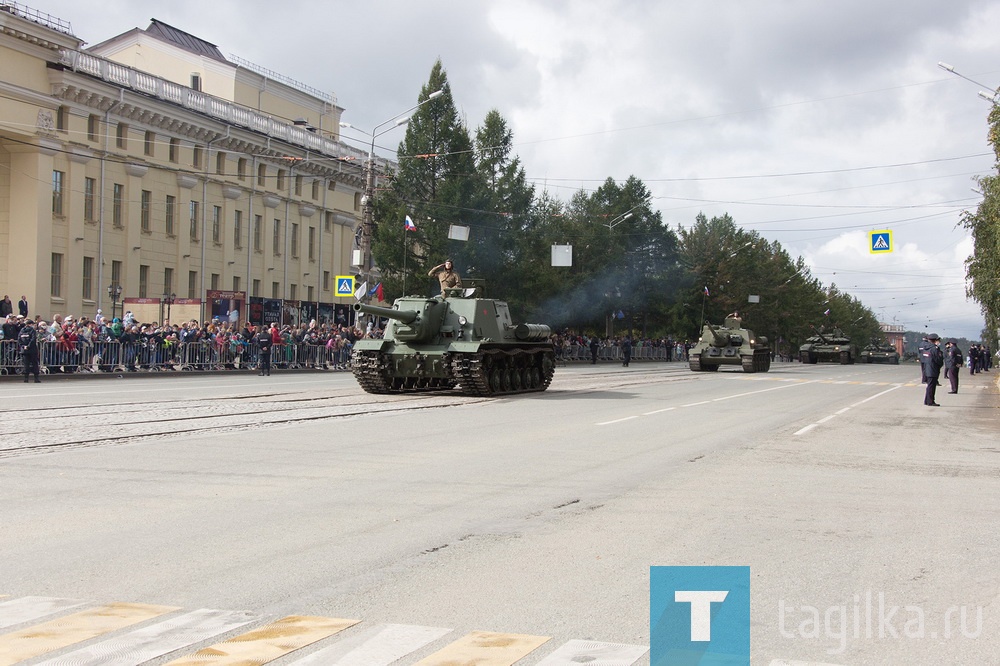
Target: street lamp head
[
  {"x": 347, "y": 125},
  {"x": 946, "y": 66},
  {"x": 435, "y": 94}
]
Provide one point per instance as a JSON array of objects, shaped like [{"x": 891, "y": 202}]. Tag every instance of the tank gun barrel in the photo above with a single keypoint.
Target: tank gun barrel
[
  {"x": 720, "y": 339},
  {"x": 405, "y": 316}
]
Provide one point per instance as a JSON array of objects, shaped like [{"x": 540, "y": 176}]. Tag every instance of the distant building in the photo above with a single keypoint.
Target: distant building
[
  {"x": 894, "y": 335},
  {"x": 153, "y": 162}
]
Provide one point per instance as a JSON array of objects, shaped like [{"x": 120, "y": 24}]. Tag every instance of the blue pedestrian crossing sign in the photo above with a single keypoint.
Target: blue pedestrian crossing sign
[
  {"x": 880, "y": 242},
  {"x": 345, "y": 285}
]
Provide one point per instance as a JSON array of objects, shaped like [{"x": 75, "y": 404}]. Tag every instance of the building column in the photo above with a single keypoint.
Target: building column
[{"x": 30, "y": 261}]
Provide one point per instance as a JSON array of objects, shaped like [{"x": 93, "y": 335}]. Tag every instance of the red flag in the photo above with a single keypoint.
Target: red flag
[{"x": 378, "y": 292}]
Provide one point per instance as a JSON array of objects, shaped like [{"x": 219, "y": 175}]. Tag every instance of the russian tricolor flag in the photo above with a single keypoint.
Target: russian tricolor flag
[{"x": 409, "y": 226}]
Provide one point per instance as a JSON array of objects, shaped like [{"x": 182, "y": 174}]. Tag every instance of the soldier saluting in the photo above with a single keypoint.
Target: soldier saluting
[{"x": 446, "y": 275}]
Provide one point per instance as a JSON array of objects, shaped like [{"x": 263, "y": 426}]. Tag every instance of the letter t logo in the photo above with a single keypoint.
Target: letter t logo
[{"x": 701, "y": 610}]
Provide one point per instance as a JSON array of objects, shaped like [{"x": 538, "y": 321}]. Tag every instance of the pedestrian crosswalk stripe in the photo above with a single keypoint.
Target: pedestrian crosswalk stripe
[
  {"x": 27, "y": 609},
  {"x": 156, "y": 640},
  {"x": 379, "y": 646},
  {"x": 268, "y": 642},
  {"x": 113, "y": 638},
  {"x": 85, "y": 625},
  {"x": 592, "y": 653},
  {"x": 484, "y": 648}
]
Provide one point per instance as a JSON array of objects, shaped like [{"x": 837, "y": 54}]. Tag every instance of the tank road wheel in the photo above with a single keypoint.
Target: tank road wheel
[
  {"x": 516, "y": 378},
  {"x": 496, "y": 385},
  {"x": 505, "y": 380},
  {"x": 695, "y": 363}
]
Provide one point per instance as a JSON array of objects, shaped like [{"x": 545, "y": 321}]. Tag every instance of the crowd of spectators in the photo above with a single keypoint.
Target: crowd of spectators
[
  {"x": 571, "y": 346},
  {"x": 68, "y": 342}
]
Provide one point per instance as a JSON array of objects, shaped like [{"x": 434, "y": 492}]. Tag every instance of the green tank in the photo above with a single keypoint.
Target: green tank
[
  {"x": 880, "y": 351},
  {"x": 834, "y": 347},
  {"x": 730, "y": 344},
  {"x": 454, "y": 340}
]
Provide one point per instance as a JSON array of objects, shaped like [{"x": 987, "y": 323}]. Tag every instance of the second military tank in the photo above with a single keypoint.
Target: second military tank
[
  {"x": 832, "y": 347},
  {"x": 730, "y": 344},
  {"x": 455, "y": 340},
  {"x": 880, "y": 351}
]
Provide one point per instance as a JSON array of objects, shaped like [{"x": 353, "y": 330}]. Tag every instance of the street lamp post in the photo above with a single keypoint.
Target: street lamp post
[
  {"x": 115, "y": 294},
  {"x": 168, "y": 300},
  {"x": 368, "y": 199}
]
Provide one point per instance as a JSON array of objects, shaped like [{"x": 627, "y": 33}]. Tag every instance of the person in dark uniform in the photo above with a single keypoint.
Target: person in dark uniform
[
  {"x": 953, "y": 362},
  {"x": 27, "y": 343},
  {"x": 626, "y": 350},
  {"x": 263, "y": 341},
  {"x": 922, "y": 357},
  {"x": 932, "y": 359},
  {"x": 594, "y": 346}
]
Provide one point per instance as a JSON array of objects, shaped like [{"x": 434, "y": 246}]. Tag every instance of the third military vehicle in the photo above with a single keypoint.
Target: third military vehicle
[
  {"x": 456, "y": 339},
  {"x": 833, "y": 347},
  {"x": 730, "y": 344},
  {"x": 880, "y": 351}
]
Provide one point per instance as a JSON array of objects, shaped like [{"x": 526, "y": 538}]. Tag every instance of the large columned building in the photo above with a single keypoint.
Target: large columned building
[{"x": 152, "y": 163}]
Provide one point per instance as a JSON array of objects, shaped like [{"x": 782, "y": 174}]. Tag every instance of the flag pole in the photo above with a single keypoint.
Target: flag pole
[
  {"x": 404, "y": 261},
  {"x": 704, "y": 295}
]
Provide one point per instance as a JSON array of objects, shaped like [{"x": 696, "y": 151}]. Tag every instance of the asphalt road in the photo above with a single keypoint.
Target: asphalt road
[{"x": 300, "y": 495}]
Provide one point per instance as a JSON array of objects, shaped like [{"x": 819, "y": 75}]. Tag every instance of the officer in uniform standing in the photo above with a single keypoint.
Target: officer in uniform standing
[
  {"x": 27, "y": 343},
  {"x": 263, "y": 341},
  {"x": 953, "y": 362},
  {"x": 932, "y": 360}
]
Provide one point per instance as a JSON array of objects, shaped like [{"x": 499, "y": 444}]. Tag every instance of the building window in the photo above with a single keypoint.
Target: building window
[
  {"x": 292, "y": 291},
  {"x": 89, "y": 188},
  {"x": 357, "y": 201},
  {"x": 276, "y": 242},
  {"x": 174, "y": 151},
  {"x": 236, "y": 283},
  {"x": 194, "y": 221},
  {"x": 326, "y": 280},
  {"x": 168, "y": 215},
  {"x": 148, "y": 143},
  {"x": 196, "y": 157},
  {"x": 262, "y": 175},
  {"x": 192, "y": 284},
  {"x": 62, "y": 118},
  {"x": 328, "y": 220},
  {"x": 216, "y": 225},
  {"x": 121, "y": 135},
  {"x": 215, "y": 282},
  {"x": 143, "y": 281},
  {"x": 144, "y": 209},
  {"x": 315, "y": 190},
  {"x": 309, "y": 294},
  {"x": 238, "y": 229},
  {"x": 220, "y": 163},
  {"x": 57, "y": 266},
  {"x": 117, "y": 201},
  {"x": 168, "y": 280},
  {"x": 275, "y": 293},
  {"x": 196, "y": 81},
  {"x": 93, "y": 127},
  {"x": 87, "y": 286},
  {"x": 298, "y": 185},
  {"x": 295, "y": 240},
  {"x": 312, "y": 243},
  {"x": 57, "y": 192},
  {"x": 256, "y": 289},
  {"x": 116, "y": 272},
  {"x": 241, "y": 168},
  {"x": 258, "y": 233},
  {"x": 281, "y": 180}
]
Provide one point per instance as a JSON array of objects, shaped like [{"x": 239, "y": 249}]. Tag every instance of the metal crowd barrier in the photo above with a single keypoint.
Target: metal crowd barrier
[
  {"x": 614, "y": 353},
  {"x": 106, "y": 357}
]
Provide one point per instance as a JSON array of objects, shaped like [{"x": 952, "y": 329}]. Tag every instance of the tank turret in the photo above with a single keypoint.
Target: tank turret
[
  {"x": 454, "y": 340},
  {"x": 730, "y": 344}
]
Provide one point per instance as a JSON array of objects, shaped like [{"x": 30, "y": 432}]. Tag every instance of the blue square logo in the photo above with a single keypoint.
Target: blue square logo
[{"x": 699, "y": 616}]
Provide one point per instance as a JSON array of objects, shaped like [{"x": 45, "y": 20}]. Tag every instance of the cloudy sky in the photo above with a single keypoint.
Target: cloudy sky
[{"x": 811, "y": 123}]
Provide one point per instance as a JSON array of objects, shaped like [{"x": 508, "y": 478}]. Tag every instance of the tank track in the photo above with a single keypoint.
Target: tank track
[
  {"x": 759, "y": 361},
  {"x": 491, "y": 372},
  {"x": 488, "y": 372}
]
